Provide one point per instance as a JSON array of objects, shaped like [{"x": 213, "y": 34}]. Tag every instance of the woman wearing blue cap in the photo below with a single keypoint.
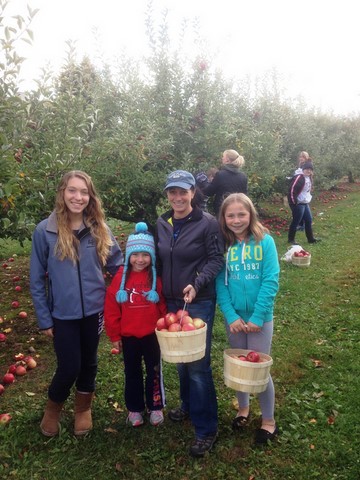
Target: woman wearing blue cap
[{"x": 190, "y": 254}]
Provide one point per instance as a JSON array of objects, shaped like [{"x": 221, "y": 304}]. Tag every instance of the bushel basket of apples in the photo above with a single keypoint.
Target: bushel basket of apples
[
  {"x": 302, "y": 258},
  {"x": 246, "y": 370},
  {"x": 182, "y": 339}
]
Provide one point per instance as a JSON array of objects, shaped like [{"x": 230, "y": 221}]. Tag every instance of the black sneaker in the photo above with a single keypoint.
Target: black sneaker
[
  {"x": 202, "y": 445},
  {"x": 314, "y": 240},
  {"x": 178, "y": 415}
]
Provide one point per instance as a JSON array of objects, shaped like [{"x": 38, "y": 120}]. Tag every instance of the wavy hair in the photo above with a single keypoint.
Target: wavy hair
[
  {"x": 67, "y": 245},
  {"x": 255, "y": 226}
]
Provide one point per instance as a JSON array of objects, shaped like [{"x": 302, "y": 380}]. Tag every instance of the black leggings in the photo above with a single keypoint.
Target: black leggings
[
  {"x": 134, "y": 350},
  {"x": 76, "y": 345}
]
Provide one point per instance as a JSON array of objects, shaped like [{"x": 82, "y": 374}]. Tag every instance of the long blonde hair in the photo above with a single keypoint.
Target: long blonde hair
[
  {"x": 67, "y": 245},
  {"x": 255, "y": 226}
]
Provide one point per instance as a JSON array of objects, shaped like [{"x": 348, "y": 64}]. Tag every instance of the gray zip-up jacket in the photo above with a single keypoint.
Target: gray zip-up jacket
[
  {"x": 60, "y": 288},
  {"x": 195, "y": 258}
]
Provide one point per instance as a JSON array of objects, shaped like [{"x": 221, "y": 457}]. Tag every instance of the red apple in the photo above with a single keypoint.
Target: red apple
[
  {"x": 12, "y": 369},
  {"x": 181, "y": 313},
  {"x": 186, "y": 319},
  {"x": 198, "y": 323},
  {"x": 2, "y": 337},
  {"x": 160, "y": 324},
  {"x": 5, "y": 265},
  {"x": 8, "y": 378},
  {"x": 18, "y": 288},
  {"x": 242, "y": 358},
  {"x": 4, "y": 418},
  {"x": 170, "y": 318},
  {"x": 2, "y": 389},
  {"x": 174, "y": 327},
  {"x": 15, "y": 304},
  {"x": 115, "y": 351},
  {"x": 11, "y": 259},
  {"x": 16, "y": 278},
  {"x": 253, "y": 357},
  {"x": 187, "y": 327},
  {"x": 30, "y": 362},
  {"x": 1, "y": 320},
  {"x": 19, "y": 356},
  {"x": 22, "y": 314},
  {"x": 20, "y": 370}
]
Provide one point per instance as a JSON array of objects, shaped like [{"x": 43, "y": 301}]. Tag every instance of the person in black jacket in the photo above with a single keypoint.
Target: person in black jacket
[
  {"x": 229, "y": 179},
  {"x": 191, "y": 254}
]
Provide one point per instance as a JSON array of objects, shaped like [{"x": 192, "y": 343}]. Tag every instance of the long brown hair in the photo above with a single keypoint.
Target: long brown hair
[
  {"x": 67, "y": 245},
  {"x": 255, "y": 226}
]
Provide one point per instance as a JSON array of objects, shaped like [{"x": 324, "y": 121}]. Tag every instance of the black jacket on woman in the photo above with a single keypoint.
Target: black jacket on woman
[
  {"x": 195, "y": 258},
  {"x": 229, "y": 179}
]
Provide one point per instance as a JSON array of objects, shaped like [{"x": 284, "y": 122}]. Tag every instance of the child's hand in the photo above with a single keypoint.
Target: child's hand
[
  {"x": 238, "y": 326},
  {"x": 118, "y": 345},
  {"x": 251, "y": 327}
]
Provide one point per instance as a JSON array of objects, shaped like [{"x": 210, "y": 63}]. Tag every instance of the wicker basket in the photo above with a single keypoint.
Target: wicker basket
[
  {"x": 301, "y": 261},
  {"x": 246, "y": 376},
  {"x": 182, "y": 347}
]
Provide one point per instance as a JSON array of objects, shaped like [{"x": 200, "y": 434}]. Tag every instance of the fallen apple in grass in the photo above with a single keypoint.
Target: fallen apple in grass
[
  {"x": 20, "y": 370},
  {"x": 2, "y": 337},
  {"x": 115, "y": 351},
  {"x": 8, "y": 378},
  {"x": 22, "y": 315},
  {"x": 12, "y": 369},
  {"x": 4, "y": 418},
  {"x": 15, "y": 304},
  {"x": 18, "y": 288},
  {"x": 30, "y": 362},
  {"x": 2, "y": 389}
]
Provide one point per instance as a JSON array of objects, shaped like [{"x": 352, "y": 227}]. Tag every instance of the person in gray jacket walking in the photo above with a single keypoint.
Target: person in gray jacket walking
[{"x": 70, "y": 249}]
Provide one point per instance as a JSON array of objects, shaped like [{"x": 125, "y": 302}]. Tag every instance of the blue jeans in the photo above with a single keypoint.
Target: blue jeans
[
  {"x": 301, "y": 213},
  {"x": 197, "y": 389}
]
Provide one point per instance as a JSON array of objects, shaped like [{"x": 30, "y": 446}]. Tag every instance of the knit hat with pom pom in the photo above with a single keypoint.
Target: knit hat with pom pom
[{"x": 139, "y": 241}]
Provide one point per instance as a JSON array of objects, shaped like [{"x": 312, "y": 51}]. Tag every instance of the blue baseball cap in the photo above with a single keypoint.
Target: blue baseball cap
[{"x": 181, "y": 179}]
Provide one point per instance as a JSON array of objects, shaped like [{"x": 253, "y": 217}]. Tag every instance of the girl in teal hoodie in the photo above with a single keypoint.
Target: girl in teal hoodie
[{"x": 246, "y": 289}]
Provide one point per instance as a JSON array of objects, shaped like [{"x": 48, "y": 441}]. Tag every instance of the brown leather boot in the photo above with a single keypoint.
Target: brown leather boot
[
  {"x": 50, "y": 425},
  {"x": 83, "y": 418}
]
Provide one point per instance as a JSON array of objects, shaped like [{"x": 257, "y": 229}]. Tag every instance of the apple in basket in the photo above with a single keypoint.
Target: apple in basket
[
  {"x": 253, "y": 357},
  {"x": 188, "y": 327},
  {"x": 170, "y": 318},
  {"x": 198, "y": 323},
  {"x": 160, "y": 324},
  {"x": 186, "y": 319},
  {"x": 301, "y": 253},
  {"x": 174, "y": 327},
  {"x": 181, "y": 313}
]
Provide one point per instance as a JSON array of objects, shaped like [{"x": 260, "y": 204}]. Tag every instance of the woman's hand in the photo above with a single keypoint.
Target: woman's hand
[
  {"x": 49, "y": 332},
  {"x": 189, "y": 294}
]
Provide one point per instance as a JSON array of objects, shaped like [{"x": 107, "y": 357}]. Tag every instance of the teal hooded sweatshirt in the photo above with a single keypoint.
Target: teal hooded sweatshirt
[{"x": 246, "y": 286}]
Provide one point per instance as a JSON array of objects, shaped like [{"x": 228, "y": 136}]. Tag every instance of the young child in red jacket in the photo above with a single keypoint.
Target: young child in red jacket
[{"x": 133, "y": 304}]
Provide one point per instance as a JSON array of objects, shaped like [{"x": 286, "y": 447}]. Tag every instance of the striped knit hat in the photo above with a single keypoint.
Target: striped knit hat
[{"x": 139, "y": 241}]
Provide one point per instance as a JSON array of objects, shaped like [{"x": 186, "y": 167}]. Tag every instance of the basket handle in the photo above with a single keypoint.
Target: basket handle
[{"x": 182, "y": 313}]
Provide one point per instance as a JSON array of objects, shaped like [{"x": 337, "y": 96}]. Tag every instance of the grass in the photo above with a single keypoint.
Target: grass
[{"x": 316, "y": 365}]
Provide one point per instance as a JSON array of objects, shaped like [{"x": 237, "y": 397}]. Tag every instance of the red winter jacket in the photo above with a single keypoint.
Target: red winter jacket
[{"x": 137, "y": 317}]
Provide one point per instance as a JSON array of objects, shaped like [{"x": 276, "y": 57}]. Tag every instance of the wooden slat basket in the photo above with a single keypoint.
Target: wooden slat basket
[
  {"x": 182, "y": 347},
  {"x": 246, "y": 376}
]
